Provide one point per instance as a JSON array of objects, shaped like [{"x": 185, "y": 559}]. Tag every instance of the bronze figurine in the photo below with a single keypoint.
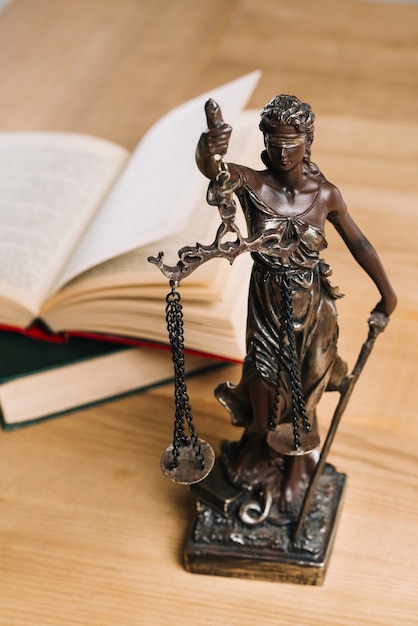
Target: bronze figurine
[{"x": 270, "y": 507}]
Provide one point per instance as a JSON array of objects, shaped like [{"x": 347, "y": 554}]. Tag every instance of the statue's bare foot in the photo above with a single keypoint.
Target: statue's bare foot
[
  {"x": 297, "y": 474},
  {"x": 225, "y": 394},
  {"x": 247, "y": 462}
]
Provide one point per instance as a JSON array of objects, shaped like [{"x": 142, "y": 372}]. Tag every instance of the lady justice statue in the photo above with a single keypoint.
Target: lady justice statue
[{"x": 249, "y": 505}]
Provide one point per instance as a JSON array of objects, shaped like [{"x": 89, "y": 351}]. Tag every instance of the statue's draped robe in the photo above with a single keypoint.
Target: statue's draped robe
[{"x": 314, "y": 315}]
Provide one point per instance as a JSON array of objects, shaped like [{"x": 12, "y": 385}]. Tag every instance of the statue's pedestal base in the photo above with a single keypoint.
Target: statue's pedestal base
[{"x": 220, "y": 544}]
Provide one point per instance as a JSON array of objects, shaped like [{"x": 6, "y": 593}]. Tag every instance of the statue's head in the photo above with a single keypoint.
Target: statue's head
[{"x": 289, "y": 110}]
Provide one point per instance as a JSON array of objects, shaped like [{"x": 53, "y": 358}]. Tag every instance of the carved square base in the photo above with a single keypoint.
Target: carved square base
[{"x": 220, "y": 544}]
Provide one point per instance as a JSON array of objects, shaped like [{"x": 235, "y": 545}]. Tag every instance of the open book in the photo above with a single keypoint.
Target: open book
[{"x": 79, "y": 216}]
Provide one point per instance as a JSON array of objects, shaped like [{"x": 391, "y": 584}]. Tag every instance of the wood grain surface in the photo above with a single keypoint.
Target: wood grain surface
[{"x": 91, "y": 532}]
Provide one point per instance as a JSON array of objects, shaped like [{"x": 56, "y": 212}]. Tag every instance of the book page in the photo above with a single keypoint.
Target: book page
[
  {"x": 133, "y": 267},
  {"x": 157, "y": 190},
  {"x": 131, "y": 275},
  {"x": 50, "y": 186}
]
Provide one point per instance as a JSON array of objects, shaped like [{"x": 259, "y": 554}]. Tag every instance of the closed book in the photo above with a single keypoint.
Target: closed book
[{"x": 40, "y": 380}]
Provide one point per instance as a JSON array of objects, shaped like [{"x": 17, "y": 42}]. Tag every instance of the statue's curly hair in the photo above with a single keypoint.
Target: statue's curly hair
[{"x": 290, "y": 110}]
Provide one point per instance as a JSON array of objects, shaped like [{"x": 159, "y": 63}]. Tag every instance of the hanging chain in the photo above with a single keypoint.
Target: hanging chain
[
  {"x": 279, "y": 382},
  {"x": 174, "y": 318},
  {"x": 287, "y": 331}
]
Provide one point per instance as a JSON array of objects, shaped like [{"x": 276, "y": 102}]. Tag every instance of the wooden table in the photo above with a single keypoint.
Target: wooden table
[{"x": 90, "y": 531}]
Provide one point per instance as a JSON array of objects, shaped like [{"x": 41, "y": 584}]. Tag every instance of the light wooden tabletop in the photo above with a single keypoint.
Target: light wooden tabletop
[{"x": 91, "y": 533}]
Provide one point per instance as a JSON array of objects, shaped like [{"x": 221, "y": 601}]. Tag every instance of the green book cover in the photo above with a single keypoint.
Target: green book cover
[{"x": 21, "y": 355}]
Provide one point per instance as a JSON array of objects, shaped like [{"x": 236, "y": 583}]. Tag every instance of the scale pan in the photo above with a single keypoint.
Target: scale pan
[
  {"x": 188, "y": 470},
  {"x": 282, "y": 440}
]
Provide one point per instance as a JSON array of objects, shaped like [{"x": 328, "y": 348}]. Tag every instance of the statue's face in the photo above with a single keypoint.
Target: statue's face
[{"x": 285, "y": 147}]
